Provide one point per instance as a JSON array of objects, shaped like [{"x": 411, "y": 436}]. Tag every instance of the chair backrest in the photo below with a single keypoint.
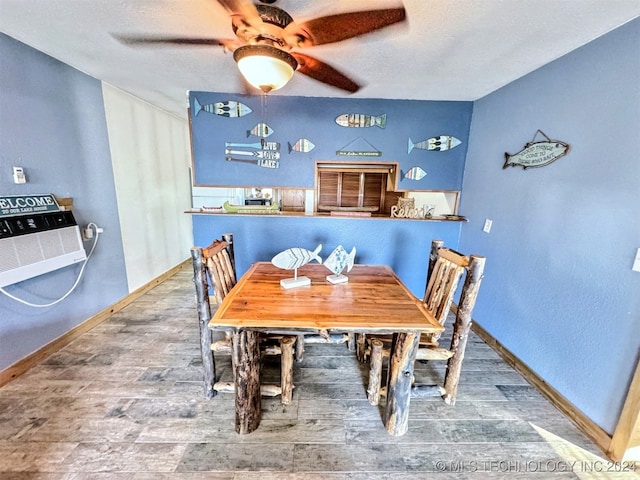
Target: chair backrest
[
  {"x": 219, "y": 262},
  {"x": 446, "y": 266},
  {"x": 214, "y": 266}
]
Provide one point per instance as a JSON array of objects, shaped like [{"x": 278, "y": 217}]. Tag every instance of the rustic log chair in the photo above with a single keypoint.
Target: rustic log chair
[
  {"x": 446, "y": 266},
  {"x": 214, "y": 266}
]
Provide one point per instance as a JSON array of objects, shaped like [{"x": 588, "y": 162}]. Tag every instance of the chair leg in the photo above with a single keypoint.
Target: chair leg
[
  {"x": 375, "y": 372},
  {"x": 208, "y": 361},
  {"x": 462, "y": 326},
  {"x": 454, "y": 364},
  {"x": 286, "y": 369}
]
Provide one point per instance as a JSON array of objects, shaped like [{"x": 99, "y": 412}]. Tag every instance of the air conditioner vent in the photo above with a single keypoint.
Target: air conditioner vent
[{"x": 37, "y": 244}]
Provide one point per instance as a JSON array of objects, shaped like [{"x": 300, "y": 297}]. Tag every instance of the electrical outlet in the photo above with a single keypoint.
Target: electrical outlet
[
  {"x": 636, "y": 262},
  {"x": 487, "y": 225}
]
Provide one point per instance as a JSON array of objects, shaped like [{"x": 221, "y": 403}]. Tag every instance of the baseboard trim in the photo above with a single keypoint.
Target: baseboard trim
[
  {"x": 584, "y": 423},
  {"x": 21, "y": 366}
]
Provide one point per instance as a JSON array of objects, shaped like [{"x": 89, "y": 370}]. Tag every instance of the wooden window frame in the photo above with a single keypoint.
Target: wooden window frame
[{"x": 344, "y": 196}]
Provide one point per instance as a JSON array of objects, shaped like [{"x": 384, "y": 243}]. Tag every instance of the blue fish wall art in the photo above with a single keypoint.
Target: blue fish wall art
[
  {"x": 223, "y": 109},
  {"x": 360, "y": 120},
  {"x": 414, "y": 173}
]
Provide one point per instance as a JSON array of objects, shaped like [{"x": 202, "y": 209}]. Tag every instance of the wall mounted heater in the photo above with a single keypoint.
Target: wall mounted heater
[{"x": 31, "y": 245}]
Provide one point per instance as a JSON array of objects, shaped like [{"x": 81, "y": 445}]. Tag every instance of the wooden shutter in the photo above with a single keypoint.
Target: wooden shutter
[
  {"x": 353, "y": 185},
  {"x": 374, "y": 189},
  {"x": 350, "y": 190},
  {"x": 328, "y": 192}
]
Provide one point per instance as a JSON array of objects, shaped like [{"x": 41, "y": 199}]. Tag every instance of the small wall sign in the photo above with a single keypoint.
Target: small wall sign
[
  {"x": 537, "y": 154},
  {"x": 364, "y": 149},
  {"x": 11, "y": 205}
]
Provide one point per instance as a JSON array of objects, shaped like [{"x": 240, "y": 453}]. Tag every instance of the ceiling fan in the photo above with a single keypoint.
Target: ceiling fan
[{"x": 267, "y": 35}]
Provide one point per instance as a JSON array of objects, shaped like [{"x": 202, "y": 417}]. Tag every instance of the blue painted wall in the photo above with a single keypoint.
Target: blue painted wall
[
  {"x": 402, "y": 244},
  {"x": 52, "y": 123},
  {"x": 559, "y": 291},
  {"x": 292, "y": 118}
]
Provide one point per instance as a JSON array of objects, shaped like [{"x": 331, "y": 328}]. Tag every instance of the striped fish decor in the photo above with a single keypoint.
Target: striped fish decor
[
  {"x": 292, "y": 259},
  {"x": 230, "y": 109},
  {"x": 296, "y": 257}
]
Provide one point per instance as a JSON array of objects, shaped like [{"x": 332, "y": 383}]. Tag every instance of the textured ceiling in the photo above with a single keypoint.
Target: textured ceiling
[{"x": 448, "y": 49}]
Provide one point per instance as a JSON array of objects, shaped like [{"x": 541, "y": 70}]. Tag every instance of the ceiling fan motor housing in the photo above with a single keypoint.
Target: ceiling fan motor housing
[
  {"x": 274, "y": 15},
  {"x": 274, "y": 21}
]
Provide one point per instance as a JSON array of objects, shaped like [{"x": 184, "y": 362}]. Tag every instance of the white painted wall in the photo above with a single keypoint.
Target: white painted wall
[{"x": 151, "y": 160}]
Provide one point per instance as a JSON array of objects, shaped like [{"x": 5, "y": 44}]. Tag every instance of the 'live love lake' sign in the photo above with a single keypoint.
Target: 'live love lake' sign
[{"x": 11, "y": 205}]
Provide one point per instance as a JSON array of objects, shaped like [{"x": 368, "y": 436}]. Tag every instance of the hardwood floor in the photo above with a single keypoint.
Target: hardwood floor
[{"x": 125, "y": 401}]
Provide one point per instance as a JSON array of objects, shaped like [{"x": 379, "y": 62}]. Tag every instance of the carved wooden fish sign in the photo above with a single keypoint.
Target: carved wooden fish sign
[{"x": 537, "y": 154}]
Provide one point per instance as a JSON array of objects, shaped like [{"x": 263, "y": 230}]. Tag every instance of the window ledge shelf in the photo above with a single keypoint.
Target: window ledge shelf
[{"x": 447, "y": 218}]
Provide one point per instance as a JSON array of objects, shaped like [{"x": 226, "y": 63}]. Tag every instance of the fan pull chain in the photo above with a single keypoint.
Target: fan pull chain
[
  {"x": 263, "y": 102},
  {"x": 264, "y": 107}
]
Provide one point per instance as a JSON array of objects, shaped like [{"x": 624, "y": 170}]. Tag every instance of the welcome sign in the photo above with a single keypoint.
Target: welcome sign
[{"x": 11, "y": 205}]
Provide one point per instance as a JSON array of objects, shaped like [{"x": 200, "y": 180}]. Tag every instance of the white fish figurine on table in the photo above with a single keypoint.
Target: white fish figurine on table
[
  {"x": 292, "y": 259},
  {"x": 337, "y": 261}
]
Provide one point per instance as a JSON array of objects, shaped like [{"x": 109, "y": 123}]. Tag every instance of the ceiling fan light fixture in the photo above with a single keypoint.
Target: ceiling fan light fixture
[{"x": 265, "y": 67}]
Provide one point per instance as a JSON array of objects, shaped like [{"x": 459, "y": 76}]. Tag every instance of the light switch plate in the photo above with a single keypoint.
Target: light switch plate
[
  {"x": 487, "y": 225},
  {"x": 18, "y": 175}
]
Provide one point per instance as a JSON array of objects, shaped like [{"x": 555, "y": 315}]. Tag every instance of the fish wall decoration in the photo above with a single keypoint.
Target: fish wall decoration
[
  {"x": 439, "y": 144},
  {"x": 302, "y": 145},
  {"x": 224, "y": 109},
  {"x": 537, "y": 154},
  {"x": 260, "y": 130},
  {"x": 414, "y": 173},
  {"x": 358, "y": 120}
]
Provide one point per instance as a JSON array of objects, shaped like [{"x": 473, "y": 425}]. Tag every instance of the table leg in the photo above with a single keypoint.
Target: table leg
[
  {"x": 403, "y": 353},
  {"x": 246, "y": 353},
  {"x": 286, "y": 369}
]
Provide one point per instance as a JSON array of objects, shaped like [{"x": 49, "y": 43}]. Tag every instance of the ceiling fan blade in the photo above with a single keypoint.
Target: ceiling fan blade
[
  {"x": 318, "y": 70},
  {"x": 227, "y": 43},
  {"x": 335, "y": 28},
  {"x": 247, "y": 11}
]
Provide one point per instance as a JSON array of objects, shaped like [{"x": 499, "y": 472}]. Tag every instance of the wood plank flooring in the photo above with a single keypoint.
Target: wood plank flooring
[{"x": 125, "y": 401}]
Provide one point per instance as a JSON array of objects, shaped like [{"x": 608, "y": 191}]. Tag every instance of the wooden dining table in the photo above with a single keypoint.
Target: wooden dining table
[{"x": 374, "y": 300}]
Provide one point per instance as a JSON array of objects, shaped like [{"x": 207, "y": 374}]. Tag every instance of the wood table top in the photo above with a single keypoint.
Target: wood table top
[{"x": 373, "y": 300}]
